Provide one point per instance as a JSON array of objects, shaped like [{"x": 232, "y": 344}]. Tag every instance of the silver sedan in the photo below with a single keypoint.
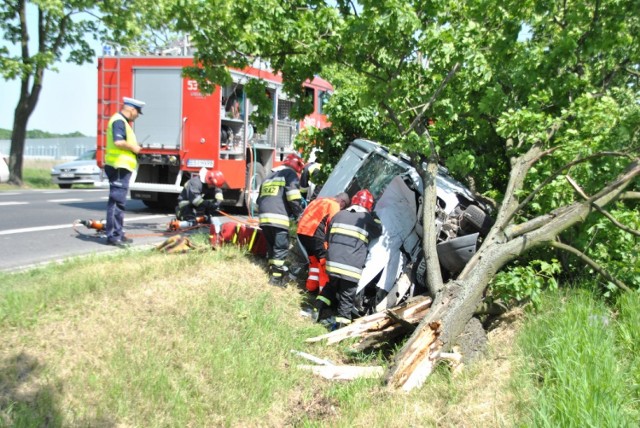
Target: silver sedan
[{"x": 83, "y": 170}]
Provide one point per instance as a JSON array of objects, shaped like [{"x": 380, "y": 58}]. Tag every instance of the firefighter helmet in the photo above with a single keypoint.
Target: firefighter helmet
[
  {"x": 294, "y": 161},
  {"x": 364, "y": 198},
  {"x": 214, "y": 178}
]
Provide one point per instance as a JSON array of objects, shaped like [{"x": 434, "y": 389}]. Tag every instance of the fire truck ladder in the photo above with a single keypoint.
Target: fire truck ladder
[{"x": 109, "y": 90}]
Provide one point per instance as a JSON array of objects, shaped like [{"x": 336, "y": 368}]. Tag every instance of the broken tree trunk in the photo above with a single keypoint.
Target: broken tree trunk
[
  {"x": 382, "y": 326},
  {"x": 455, "y": 304}
]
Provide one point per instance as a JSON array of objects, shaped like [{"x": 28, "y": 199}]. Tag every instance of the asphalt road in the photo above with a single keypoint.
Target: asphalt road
[{"x": 36, "y": 226}]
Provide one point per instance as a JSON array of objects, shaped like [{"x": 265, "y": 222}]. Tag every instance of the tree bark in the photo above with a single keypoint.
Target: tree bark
[
  {"x": 28, "y": 98},
  {"x": 454, "y": 306}
]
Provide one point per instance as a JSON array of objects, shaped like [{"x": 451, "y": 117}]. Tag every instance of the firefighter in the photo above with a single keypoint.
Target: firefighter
[
  {"x": 349, "y": 234},
  {"x": 308, "y": 178},
  {"x": 280, "y": 200},
  {"x": 120, "y": 161},
  {"x": 201, "y": 195},
  {"x": 312, "y": 230}
]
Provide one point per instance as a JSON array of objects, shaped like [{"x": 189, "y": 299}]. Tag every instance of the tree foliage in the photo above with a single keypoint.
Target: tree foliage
[
  {"x": 62, "y": 32},
  {"x": 476, "y": 84}
]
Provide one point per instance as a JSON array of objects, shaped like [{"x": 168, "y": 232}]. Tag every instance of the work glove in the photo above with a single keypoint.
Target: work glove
[{"x": 211, "y": 205}]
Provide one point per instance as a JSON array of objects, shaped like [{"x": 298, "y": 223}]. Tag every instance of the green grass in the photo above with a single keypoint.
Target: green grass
[
  {"x": 580, "y": 361},
  {"x": 37, "y": 178},
  {"x": 140, "y": 338},
  {"x": 35, "y": 175}
]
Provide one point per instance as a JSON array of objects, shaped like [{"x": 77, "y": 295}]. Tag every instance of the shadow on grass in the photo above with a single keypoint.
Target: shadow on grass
[
  {"x": 27, "y": 400},
  {"x": 24, "y": 402}
]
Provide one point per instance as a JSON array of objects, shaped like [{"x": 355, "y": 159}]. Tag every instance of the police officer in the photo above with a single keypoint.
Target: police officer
[
  {"x": 279, "y": 200},
  {"x": 120, "y": 161},
  {"x": 312, "y": 231},
  {"x": 202, "y": 194},
  {"x": 350, "y": 232}
]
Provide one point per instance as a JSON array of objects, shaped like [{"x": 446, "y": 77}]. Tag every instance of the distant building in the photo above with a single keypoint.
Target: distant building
[{"x": 62, "y": 148}]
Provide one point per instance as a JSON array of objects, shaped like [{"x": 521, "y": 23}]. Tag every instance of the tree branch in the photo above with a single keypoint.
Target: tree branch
[
  {"x": 602, "y": 211},
  {"x": 586, "y": 259},
  {"x": 433, "y": 98},
  {"x": 630, "y": 195},
  {"x": 555, "y": 174}
]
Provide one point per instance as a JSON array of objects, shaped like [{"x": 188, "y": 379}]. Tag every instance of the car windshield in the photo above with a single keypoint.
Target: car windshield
[
  {"x": 374, "y": 174},
  {"x": 88, "y": 155}
]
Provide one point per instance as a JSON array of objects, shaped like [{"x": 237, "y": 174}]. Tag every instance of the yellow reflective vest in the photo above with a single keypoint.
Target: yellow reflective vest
[{"x": 115, "y": 156}]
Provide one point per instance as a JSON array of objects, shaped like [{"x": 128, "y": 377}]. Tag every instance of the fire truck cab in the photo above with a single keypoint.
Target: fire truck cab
[{"x": 183, "y": 130}]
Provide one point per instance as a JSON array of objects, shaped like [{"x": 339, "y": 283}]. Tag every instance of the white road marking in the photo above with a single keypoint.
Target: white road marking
[
  {"x": 12, "y": 203},
  {"x": 9, "y": 193},
  {"x": 63, "y": 226},
  {"x": 64, "y": 200}
]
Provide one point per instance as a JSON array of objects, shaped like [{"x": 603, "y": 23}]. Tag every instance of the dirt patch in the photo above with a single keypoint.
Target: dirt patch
[
  {"x": 489, "y": 400},
  {"x": 472, "y": 343}
]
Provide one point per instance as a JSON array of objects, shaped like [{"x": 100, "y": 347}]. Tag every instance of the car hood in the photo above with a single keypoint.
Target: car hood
[{"x": 75, "y": 164}]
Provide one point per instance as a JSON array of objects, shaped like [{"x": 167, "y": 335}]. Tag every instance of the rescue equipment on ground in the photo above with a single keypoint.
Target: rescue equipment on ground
[
  {"x": 98, "y": 225},
  {"x": 185, "y": 224},
  {"x": 239, "y": 234},
  {"x": 176, "y": 244}
]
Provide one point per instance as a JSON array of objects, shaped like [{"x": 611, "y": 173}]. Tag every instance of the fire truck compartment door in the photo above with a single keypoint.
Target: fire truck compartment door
[{"x": 160, "y": 124}]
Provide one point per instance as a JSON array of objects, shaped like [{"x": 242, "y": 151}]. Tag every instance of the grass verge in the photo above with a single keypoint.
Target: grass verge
[
  {"x": 36, "y": 174},
  {"x": 580, "y": 362},
  {"x": 200, "y": 339}
]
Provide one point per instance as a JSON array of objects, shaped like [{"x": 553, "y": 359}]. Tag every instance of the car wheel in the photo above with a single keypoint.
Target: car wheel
[
  {"x": 476, "y": 220},
  {"x": 65, "y": 186}
]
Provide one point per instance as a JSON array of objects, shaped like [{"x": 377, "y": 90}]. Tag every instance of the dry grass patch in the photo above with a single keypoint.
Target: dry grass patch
[{"x": 201, "y": 340}]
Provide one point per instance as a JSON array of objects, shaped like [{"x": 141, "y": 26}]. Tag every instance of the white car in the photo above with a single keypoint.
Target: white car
[
  {"x": 4, "y": 168},
  {"x": 83, "y": 170}
]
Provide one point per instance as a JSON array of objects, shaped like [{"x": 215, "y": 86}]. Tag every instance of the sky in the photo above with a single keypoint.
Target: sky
[
  {"x": 67, "y": 103},
  {"x": 68, "y": 100}
]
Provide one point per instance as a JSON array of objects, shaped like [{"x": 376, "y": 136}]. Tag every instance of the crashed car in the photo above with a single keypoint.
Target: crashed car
[{"x": 461, "y": 222}]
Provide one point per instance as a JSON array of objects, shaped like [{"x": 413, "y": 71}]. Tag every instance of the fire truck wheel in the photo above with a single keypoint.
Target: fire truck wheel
[
  {"x": 254, "y": 177},
  {"x": 151, "y": 204}
]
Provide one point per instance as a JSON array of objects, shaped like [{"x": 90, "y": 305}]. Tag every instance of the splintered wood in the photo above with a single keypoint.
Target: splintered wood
[
  {"x": 344, "y": 372},
  {"x": 381, "y": 326},
  {"x": 423, "y": 352},
  {"x": 419, "y": 359}
]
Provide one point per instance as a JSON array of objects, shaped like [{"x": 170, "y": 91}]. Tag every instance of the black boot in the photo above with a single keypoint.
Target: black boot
[{"x": 277, "y": 276}]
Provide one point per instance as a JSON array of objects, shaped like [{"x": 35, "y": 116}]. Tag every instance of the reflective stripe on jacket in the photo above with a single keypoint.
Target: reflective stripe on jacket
[
  {"x": 115, "y": 156},
  {"x": 195, "y": 193},
  {"x": 349, "y": 234},
  {"x": 280, "y": 198}
]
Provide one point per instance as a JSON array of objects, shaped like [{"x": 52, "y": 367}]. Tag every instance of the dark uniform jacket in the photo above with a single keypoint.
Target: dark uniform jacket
[
  {"x": 350, "y": 232},
  {"x": 280, "y": 198},
  {"x": 195, "y": 193},
  {"x": 309, "y": 172}
]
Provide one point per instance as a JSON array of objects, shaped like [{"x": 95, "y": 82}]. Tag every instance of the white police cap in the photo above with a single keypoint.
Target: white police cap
[{"x": 137, "y": 104}]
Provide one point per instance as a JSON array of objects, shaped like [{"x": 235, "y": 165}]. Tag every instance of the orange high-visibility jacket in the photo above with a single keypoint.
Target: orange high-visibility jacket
[{"x": 316, "y": 216}]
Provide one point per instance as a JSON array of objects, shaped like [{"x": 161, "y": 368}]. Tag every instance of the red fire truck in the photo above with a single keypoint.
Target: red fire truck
[{"x": 183, "y": 130}]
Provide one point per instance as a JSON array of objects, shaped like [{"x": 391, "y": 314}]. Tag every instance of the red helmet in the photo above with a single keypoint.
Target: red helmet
[
  {"x": 364, "y": 198},
  {"x": 294, "y": 161},
  {"x": 214, "y": 178}
]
